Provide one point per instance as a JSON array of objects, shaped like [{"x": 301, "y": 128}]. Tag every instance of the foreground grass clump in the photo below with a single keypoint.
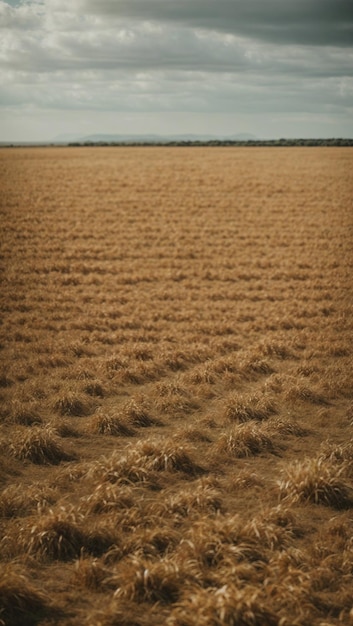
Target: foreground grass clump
[
  {"x": 75, "y": 404},
  {"x": 143, "y": 462},
  {"x": 63, "y": 428},
  {"x": 16, "y": 502},
  {"x": 20, "y": 601},
  {"x": 174, "y": 400},
  {"x": 91, "y": 573},
  {"x": 144, "y": 581},
  {"x": 129, "y": 468},
  {"x": 244, "y": 440},
  {"x": 200, "y": 497},
  {"x": 240, "y": 409},
  {"x": 109, "y": 497},
  {"x": 110, "y": 424},
  {"x": 55, "y": 536},
  {"x": 24, "y": 413},
  {"x": 226, "y": 605},
  {"x": 138, "y": 414},
  {"x": 317, "y": 481},
  {"x": 40, "y": 446},
  {"x": 167, "y": 455}
]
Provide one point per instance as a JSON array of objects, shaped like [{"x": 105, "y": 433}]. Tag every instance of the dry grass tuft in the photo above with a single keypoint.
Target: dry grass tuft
[
  {"x": 202, "y": 497},
  {"x": 12, "y": 501},
  {"x": 317, "y": 481},
  {"x": 138, "y": 414},
  {"x": 224, "y": 539},
  {"x": 20, "y": 601},
  {"x": 246, "y": 479},
  {"x": 63, "y": 428},
  {"x": 285, "y": 426},
  {"x": 269, "y": 529},
  {"x": 148, "y": 581},
  {"x": 8, "y": 464},
  {"x": 15, "y": 501},
  {"x": 227, "y": 605},
  {"x": 166, "y": 455},
  {"x": 278, "y": 350},
  {"x": 244, "y": 440},
  {"x": 90, "y": 573},
  {"x": 174, "y": 400},
  {"x": 109, "y": 497},
  {"x": 40, "y": 446},
  {"x": 140, "y": 352},
  {"x": 110, "y": 423},
  {"x": 129, "y": 468},
  {"x": 153, "y": 542},
  {"x": 24, "y": 413},
  {"x": 339, "y": 455},
  {"x": 55, "y": 536},
  {"x": 73, "y": 404},
  {"x": 253, "y": 366},
  {"x": 283, "y": 516},
  {"x": 143, "y": 463},
  {"x": 95, "y": 388},
  {"x": 276, "y": 383},
  {"x": 102, "y": 536},
  {"x": 305, "y": 394},
  {"x": 242, "y": 409},
  {"x": 201, "y": 374},
  {"x": 192, "y": 434}
]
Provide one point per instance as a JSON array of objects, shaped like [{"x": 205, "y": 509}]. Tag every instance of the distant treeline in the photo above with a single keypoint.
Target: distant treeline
[{"x": 224, "y": 142}]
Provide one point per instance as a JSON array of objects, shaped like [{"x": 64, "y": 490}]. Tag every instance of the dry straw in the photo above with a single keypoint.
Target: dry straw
[
  {"x": 20, "y": 601},
  {"x": 318, "y": 481},
  {"x": 242, "y": 409},
  {"x": 227, "y": 605},
  {"x": 148, "y": 581},
  {"x": 110, "y": 423},
  {"x": 55, "y": 536},
  {"x": 244, "y": 440},
  {"x": 73, "y": 404},
  {"x": 187, "y": 355},
  {"x": 40, "y": 446}
]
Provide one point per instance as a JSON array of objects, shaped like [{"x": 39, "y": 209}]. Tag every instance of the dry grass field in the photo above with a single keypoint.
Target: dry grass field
[{"x": 176, "y": 426}]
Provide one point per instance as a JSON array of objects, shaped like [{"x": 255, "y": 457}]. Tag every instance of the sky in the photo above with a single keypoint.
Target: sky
[{"x": 272, "y": 68}]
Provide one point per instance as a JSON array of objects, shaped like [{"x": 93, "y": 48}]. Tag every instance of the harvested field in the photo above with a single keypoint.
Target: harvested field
[{"x": 176, "y": 425}]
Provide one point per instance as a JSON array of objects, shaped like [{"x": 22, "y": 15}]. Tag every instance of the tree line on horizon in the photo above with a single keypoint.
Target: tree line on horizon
[{"x": 335, "y": 142}]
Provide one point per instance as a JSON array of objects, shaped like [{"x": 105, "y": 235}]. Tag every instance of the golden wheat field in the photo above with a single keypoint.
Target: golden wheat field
[{"x": 176, "y": 427}]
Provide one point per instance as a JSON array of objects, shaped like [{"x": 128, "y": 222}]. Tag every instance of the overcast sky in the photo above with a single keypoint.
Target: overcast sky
[{"x": 273, "y": 68}]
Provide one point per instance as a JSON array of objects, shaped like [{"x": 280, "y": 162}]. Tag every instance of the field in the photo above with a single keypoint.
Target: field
[{"x": 176, "y": 387}]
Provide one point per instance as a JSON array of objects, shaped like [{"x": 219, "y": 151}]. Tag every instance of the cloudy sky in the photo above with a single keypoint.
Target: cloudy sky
[{"x": 273, "y": 68}]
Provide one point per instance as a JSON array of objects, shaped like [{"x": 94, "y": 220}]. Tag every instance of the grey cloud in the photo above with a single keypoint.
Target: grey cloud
[
  {"x": 312, "y": 22},
  {"x": 167, "y": 57},
  {"x": 17, "y": 18},
  {"x": 57, "y": 40},
  {"x": 140, "y": 47},
  {"x": 203, "y": 92}
]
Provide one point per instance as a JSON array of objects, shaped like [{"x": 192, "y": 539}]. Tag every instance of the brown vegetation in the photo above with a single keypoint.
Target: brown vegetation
[{"x": 176, "y": 386}]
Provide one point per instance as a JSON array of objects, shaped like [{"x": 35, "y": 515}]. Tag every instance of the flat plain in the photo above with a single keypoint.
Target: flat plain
[{"x": 176, "y": 386}]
